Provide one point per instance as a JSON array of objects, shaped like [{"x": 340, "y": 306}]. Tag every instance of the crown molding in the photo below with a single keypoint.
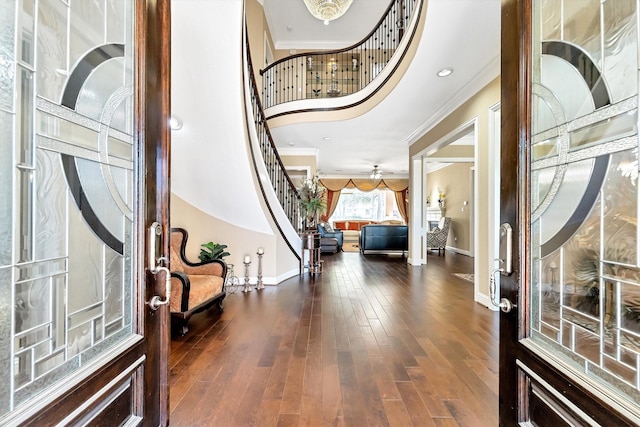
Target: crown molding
[
  {"x": 286, "y": 151},
  {"x": 483, "y": 78}
]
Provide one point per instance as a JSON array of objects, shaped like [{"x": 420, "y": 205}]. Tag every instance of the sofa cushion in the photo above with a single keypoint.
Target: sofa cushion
[
  {"x": 203, "y": 288},
  {"x": 353, "y": 225},
  {"x": 341, "y": 225}
]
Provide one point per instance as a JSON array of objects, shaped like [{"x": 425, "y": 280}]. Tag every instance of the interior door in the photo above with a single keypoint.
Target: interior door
[
  {"x": 570, "y": 350},
  {"x": 83, "y": 175}
]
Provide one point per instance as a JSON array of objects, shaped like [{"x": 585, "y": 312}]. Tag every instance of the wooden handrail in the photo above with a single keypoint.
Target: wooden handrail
[{"x": 281, "y": 182}]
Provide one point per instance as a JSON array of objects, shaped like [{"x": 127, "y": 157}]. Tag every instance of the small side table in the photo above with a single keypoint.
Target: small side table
[{"x": 311, "y": 248}]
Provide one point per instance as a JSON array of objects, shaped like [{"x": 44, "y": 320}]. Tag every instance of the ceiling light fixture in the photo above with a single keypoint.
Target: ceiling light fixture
[
  {"x": 327, "y": 10},
  {"x": 376, "y": 173},
  {"x": 445, "y": 72}
]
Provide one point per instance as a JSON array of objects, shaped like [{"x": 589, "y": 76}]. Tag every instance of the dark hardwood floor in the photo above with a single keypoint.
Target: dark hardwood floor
[{"x": 371, "y": 341}]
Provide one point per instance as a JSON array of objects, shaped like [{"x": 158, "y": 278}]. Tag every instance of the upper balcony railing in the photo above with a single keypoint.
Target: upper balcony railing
[{"x": 331, "y": 74}]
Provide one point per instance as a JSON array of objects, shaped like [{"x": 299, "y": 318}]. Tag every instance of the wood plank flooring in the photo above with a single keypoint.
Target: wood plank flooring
[{"x": 371, "y": 341}]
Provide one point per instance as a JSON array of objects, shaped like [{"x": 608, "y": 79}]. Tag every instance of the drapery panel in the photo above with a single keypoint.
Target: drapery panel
[
  {"x": 332, "y": 198},
  {"x": 401, "y": 201}
]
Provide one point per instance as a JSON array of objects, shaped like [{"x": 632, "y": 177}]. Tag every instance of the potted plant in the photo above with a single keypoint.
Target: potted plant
[
  {"x": 210, "y": 251},
  {"x": 312, "y": 201}
]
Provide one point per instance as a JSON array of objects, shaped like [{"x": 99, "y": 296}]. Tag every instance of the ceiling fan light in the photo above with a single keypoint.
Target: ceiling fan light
[{"x": 327, "y": 10}]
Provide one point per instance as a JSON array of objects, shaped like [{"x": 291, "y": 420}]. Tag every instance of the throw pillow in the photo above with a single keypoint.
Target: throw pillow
[{"x": 328, "y": 227}]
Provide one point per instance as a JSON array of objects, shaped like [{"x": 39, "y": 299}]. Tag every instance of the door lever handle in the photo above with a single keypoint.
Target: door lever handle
[
  {"x": 157, "y": 265},
  {"x": 504, "y": 305},
  {"x": 156, "y": 301}
]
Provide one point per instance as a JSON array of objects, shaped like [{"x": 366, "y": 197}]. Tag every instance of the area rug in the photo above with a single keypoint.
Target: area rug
[
  {"x": 465, "y": 276},
  {"x": 350, "y": 247}
]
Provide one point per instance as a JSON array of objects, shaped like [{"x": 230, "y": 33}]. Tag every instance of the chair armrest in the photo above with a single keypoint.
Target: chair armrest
[{"x": 186, "y": 286}]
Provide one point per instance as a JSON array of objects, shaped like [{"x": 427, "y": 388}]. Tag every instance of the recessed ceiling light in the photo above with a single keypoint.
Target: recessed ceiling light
[
  {"x": 327, "y": 138},
  {"x": 291, "y": 144},
  {"x": 445, "y": 72}
]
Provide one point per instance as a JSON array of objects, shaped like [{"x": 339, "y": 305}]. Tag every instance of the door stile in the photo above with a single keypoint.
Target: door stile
[
  {"x": 153, "y": 103},
  {"x": 515, "y": 97}
]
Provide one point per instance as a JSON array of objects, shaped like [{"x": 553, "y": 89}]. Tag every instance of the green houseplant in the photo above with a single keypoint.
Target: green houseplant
[
  {"x": 312, "y": 200},
  {"x": 210, "y": 251}
]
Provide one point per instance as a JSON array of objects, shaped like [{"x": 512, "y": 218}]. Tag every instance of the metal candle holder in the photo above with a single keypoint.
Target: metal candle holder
[
  {"x": 247, "y": 288},
  {"x": 260, "y": 253}
]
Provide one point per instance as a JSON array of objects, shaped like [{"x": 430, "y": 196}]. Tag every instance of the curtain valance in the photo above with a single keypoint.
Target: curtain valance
[{"x": 337, "y": 184}]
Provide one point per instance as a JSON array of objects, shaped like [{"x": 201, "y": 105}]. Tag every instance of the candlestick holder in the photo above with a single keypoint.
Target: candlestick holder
[
  {"x": 247, "y": 288},
  {"x": 260, "y": 253}
]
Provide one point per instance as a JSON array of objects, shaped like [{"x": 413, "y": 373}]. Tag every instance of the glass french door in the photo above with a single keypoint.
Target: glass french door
[
  {"x": 570, "y": 350},
  {"x": 78, "y": 344}
]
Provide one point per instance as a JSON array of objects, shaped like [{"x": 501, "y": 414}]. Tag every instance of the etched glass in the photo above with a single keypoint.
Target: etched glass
[
  {"x": 52, "y": 48},
  {"x": 51, "y": 207},
  {"x": 25, "y": 116},
  {"x": 98, "y": 194},
  {"x": 87, "y": 27},
  {"x": 585, "y": 268},
  {"x": 6, "y": 187},
  {"x": 7, "y": 54},
  {"x": 67, "y": 249},
  {"x": 620, "y": 48}
]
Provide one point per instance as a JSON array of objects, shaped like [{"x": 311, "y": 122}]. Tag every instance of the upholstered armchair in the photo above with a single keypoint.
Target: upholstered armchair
[
  {"x": 325, "y": 230},
  {"x": 195, "y": 286},
  {"x": 437, "y": 238}
]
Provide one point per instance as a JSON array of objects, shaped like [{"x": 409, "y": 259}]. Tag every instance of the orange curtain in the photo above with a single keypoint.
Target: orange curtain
[
  {"x": 332, "y": 202},
  {"x": 401, "y": 201}
]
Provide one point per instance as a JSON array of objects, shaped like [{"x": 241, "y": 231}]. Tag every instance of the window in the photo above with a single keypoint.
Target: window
[{"x": 376, "y": 205}]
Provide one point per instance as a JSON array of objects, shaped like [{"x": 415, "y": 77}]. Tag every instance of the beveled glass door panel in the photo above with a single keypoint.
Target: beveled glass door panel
[
  {"x": 585, "y": 264},
  {"x": 68, "y": 221}
]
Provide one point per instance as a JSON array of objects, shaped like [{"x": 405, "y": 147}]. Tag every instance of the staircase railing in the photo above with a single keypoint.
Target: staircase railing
[
  {"x": 280, "y": 180},
  {"x": 341, "y": 72}
]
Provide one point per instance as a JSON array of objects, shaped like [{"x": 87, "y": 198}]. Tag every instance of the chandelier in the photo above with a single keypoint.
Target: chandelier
[{"x": 327, "y": 10}]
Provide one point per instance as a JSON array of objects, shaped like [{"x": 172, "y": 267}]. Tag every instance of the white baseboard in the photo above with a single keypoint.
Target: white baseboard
[
  {"x": 411, "y": 261},
  {"x": 270, "y": 281},
  {"x": 458, "y": 251},
  {"x": 484, "y": 300},
  {"x": 284, "y": 276}
]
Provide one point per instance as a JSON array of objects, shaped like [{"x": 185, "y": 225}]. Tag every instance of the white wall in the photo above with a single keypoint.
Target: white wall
[
  {"x": 210, "y": 166},
  {"x": 214, "y": 192}
]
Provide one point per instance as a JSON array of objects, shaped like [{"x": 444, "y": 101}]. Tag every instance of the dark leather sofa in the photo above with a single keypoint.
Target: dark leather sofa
[{"x": 380, "y": 237}]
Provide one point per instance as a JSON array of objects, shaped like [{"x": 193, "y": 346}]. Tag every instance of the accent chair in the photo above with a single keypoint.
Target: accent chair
[
  {"x": 437, "y": 238},
  {"x": 326, "y": 230}
]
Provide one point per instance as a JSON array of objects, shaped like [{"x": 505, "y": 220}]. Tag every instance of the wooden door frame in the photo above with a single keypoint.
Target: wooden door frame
[
  {"x": 153, "y": 112},
  {"x": 516, "y": 52}
]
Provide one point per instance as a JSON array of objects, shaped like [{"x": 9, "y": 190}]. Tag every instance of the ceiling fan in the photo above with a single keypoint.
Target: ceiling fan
[{"x": 376, "y": 173}]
